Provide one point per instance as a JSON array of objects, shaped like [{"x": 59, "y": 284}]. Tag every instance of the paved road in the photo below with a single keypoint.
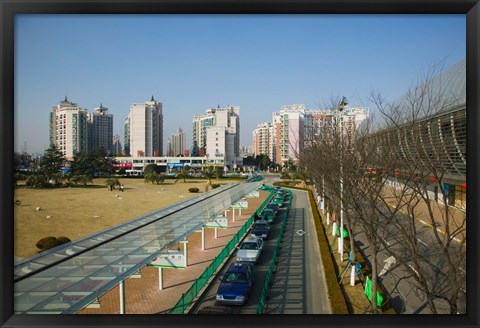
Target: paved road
[
  {"x": 299, "y": 285},
  {"x": 399, "y": 281}
]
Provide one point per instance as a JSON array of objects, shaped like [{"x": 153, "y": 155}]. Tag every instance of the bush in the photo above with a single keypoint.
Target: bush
[
  {"x": 41, "y": 243},
  {"x": 193, "y": 189},
  {"x": 63, "y": 240},
  {"x": 49, "y": 242},
  {"x": 215, "y": 185}
]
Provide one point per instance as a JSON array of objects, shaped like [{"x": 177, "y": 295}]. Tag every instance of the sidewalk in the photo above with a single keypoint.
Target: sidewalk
[{"x": 142, "y": 295}]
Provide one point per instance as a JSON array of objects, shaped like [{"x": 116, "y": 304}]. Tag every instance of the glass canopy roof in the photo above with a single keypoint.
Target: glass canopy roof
[{"x": 67, "y": 278}]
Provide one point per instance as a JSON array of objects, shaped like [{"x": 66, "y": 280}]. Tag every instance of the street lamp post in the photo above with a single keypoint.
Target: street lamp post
[{"x": 341, "y": 105}]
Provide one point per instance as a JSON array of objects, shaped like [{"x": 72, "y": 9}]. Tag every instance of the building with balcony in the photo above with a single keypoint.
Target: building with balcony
[
  {"x": 100, "y": 129},
  {"x": 263, "y": 141},
  {"x": 217, "y": 133},
  {"x": 69, "y": 128},
  {"x": 144, "y": 129}
]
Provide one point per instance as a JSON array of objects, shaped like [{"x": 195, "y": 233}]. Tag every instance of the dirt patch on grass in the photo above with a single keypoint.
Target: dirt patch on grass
[{"x": 78, "y": 212}]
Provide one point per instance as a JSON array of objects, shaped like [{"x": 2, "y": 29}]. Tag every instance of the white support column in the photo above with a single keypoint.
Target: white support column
[
  {"x": 203, "y": 238},
  {"x": 122, "y": 297},
  {"x": 352, "y": 276},
  {"x": 185, "y": 251},
  {"x": 226, "y": 211},
  {"x": 216, "y": 232},
  {"x": 340, "y": 239},
  {"x": 160, "y": 278},
  {"x": 233, "y": 214},
  {"x": 328, "y": 218},
  {"x": 334, "y": 228},
  {"x": 239, "y": 211}
]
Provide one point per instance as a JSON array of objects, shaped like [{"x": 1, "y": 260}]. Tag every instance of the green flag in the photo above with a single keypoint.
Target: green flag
[
  {"x": 345, "y": 233},
  {"x": 379, "y": 299},
  {"x": 368, "y": 292},
  {"x": 368, "y": 288}
]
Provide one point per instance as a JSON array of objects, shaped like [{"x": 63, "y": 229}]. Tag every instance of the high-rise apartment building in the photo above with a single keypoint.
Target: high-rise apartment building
[
  {"x": 69, "y": 128},
  {"x": 293, "y": 128},
  {"x": 199, "y": 129},
  {"x": 176, "y": 143},
  {"x": 144, "y": 129},
  {"x": 289, "y": 129},
  {"x": 264, "y": 141},
  {"x": 317, "y": 120},
  {"x": 217, "y": 133},
  {"x": 100, "y": 129}
]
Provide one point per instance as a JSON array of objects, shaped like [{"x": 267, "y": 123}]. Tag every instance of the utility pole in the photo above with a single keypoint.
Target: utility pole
[{"x": 341, "y": 106}]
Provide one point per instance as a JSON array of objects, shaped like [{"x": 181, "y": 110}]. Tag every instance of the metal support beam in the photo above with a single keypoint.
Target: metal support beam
[{"x": 160, "y": 278}]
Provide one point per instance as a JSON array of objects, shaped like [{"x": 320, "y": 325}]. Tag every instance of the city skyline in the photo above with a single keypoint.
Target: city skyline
[{"x": 259, "y": 63}]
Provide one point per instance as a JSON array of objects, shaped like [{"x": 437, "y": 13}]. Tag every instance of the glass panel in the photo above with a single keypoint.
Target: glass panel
[{"x": 104, "y": 266}]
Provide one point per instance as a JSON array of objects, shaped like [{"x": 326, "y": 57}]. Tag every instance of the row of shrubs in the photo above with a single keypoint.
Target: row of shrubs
[{"x": 337, "y": 298}]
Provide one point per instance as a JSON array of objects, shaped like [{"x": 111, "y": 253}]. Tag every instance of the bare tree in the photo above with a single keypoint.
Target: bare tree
[
  {"x": 422, "y": 127},
  {"x": 392, "y": 173}
]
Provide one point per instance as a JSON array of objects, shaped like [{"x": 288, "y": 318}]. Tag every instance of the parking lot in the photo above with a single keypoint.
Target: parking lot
[{"x": 260, "y": 269}]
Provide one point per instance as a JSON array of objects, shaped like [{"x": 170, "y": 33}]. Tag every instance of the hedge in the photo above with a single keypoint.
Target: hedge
[{"x": 337, "y": 298}]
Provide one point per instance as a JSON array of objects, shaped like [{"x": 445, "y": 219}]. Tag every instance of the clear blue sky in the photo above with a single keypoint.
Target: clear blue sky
[{"x": 194, "y": 62}]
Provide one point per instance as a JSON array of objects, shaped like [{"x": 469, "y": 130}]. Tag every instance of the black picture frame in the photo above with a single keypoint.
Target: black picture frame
[{"x": 10, "y": 8}]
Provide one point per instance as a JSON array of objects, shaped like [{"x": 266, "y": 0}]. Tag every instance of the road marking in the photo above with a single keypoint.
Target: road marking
[
  {"x": 388, "y": 263},
  {"x": 422, "y": 242},
  {"x": 441, "y": 231},
  {"x": 300, "y": 232},
  {"x": 411, "y": 267}
]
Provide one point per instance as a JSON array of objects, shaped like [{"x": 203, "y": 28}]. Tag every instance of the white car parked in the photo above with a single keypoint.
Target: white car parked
[{"x": 250, "y": 250}]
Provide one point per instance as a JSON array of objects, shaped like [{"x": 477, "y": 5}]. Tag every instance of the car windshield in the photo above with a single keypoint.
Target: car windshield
[
  {"x": 234, "y": 277},
  {"x": 259, "y": 226},
  {"x": 249, "y": 246}
]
